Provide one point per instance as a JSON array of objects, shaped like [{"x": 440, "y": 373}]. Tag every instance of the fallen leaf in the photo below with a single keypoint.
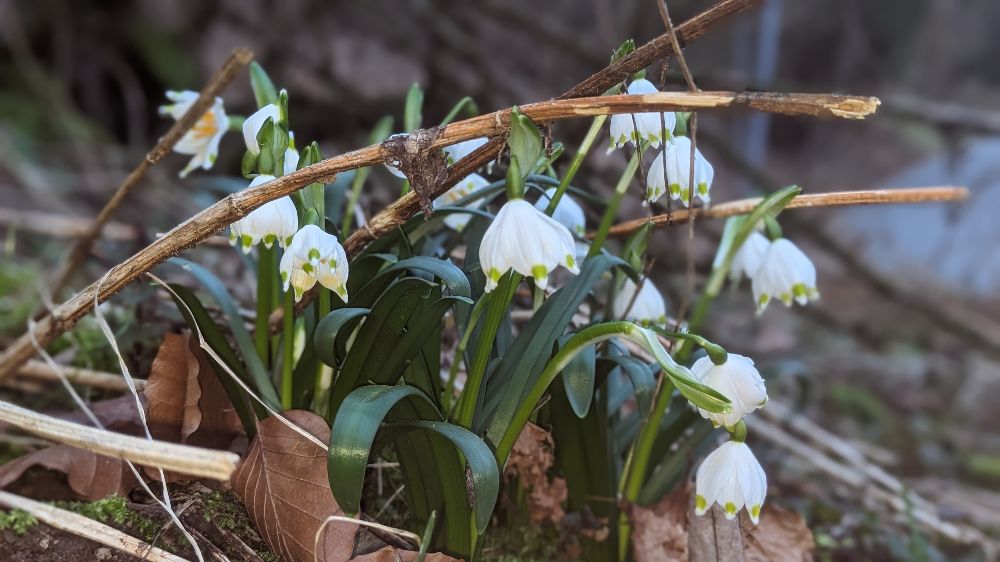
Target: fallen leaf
[
  {"x": 530, "y": 460},
  {"x": 391, "y": 554},
  {"x": 283, "y": 483},
  {"x": 91, "y": 476},
  {"x": 659, "y": 532},
  {"x": 782, "y": 534}
]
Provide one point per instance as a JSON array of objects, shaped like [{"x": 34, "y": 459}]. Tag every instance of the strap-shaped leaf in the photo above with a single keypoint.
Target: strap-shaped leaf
[
  {"x": 255, "y": 367},
  {"x": 643, "y": 379},
  {"x": 578, "y": 380},
  {"x": 420, "y": 327},
  {"x": 325, "y": 336}
]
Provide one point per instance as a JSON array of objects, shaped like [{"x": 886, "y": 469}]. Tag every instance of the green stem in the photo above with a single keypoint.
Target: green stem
[
  {"x": 612, "y": 211},
  {"x": 634, "y": 473},
  {"x": 287, "y": 355},
  {"x": 574, "y": 165},
  {"x": 474, "y": 316},
  {"x": 715, "y": 351},
  {"x": 266, "y": 279}
]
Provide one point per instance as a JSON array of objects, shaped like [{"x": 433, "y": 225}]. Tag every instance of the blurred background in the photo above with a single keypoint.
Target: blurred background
[{"x": 901, "y": 357}]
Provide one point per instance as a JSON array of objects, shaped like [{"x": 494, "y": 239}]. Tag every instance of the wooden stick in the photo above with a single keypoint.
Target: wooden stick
[
  {"x": 831, "y": 199},
  {"x": 87, "y": 528},
  {"x": 39, "y": 370},
  {"x": 195, "y": 461},
  {"x": 236, "y": 61}
]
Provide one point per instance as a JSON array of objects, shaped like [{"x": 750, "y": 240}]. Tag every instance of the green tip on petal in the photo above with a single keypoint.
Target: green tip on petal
[
  {"x": 702, "y": 189},
  {"x": 284, "y": 277},
  {"x": 307, "y": 267},
  {"x": 269, "y": 240},
  {"x": 246, "y": 241},
  {"x": 731, "y": 508},
  {"x": 700, "y": 503},
  {"x": 313, "y": 254},
  {"x": 570, "y": 261},
  {"x": 755, "y": 512},
  {"x": 494, "y": 274},
  {"x": 539, "y": 272}
]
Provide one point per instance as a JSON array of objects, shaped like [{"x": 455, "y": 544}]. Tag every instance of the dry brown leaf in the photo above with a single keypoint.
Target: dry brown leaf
[
  {"x": 283, "y": 483},
  {"x": 530, "y": 460},
  {"x": 391, "y": 554},
  {"x": 91, "y": 476},
  {"x": 659, "y": 532},
  {"x": 781, "y": 535}
]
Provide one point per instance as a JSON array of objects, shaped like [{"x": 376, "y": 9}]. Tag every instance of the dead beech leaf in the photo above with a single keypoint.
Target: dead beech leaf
[
  {"x": 391, "y": 554},
  {"x": 660, "y": 532},
  {"x": 782, "y": 534},
  {"x": 530, "y": 460},
  {"x": 283, "y": 483},
  {"x": 91, "y": 476}
]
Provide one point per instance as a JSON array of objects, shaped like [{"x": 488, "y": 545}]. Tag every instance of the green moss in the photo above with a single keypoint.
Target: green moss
[
  {"x": 226, "y": 512},
  {"x": 115, "y": 510},
  {"x": 17, "y": 521}
]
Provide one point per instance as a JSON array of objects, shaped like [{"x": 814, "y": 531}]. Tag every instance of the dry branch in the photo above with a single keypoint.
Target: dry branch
[
  {"x": 39, "y": 370},
  {"x": 87, "y": 528},
  {"x": 832, "y": 199},
  {"x": 59, "y": 225},
  {"x": 195, "y": 461},
  {"x": 236, "y": 61}
]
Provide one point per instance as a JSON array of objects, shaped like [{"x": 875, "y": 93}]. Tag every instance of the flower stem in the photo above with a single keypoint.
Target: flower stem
[
  {"x": 288, "y": 351},
  {"x": 612, "y": 211},
  {"x": 574, "y": 165},
  {"x": 634, "y": 473},
  {"x": 266, "y": 271},
  {"x": 474, "y": 316}
]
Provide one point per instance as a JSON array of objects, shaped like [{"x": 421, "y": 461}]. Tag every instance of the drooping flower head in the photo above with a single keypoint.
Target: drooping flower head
[
  {"x": 648, "y": 307},
  {"x": 738, "y": 380},
  {"x": 202, "y": 141},
  {"x": 460, "y": 150},
  {"x": 786, "y": 273},
  {"x": 678, "y": 173},
  {"x": 731, "y": 477},
  {"x": 274, "y": 221},
  {"x": 528, "y": 241},
  {"x": 647, "y": 126},
  {"x": 747, "y": 260},
  {"x": 314, "y": 256},
  {"x": 253, "y": 124},
  {"x": 471, "y": 183},
  {"x": 568, "y": 212}
]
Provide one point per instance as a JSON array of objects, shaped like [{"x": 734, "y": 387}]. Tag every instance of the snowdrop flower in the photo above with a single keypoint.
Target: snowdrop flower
[
  {"x": 202, "y": 141},
  {"x": 647, "y": 126},
  {"x": 786, "y": 273},
  {"x": 274, "y": 221},
  {"x": 736, "y": 379},
  {"x": 528, "y": 241},
  {"x": 748, "y": 257},
  {"x": 253, "y": 124},
  {"x": 648, "y": 308},
  {"x": 457, "y": 151},
  {"x": 731, "y": 477},
  {"x": 291, "y": 156},
  {"x": 472, "y": 183},
  {"x": 568, "y": 212},
  {"x": 677, "y": 181},
  {"x": 314, "y": 256}
]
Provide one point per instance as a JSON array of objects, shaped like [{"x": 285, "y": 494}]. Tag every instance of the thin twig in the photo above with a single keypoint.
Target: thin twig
[
  {"x": 661, "y": 5},
  {"x": 832, "y": 199},
  {"x": 39, "y": 370},
  {"x": 60, "y": 226},
  {"x": 236, "y": 61},
  {"x": 87, "y": 528}
]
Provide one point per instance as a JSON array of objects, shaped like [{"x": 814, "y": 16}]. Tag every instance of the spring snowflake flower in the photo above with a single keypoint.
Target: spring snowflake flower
[
  {"x": 253, "y": 124},
  {"x": 314, "y": 256},
  {"x": 738, "y": 380},
  {"x": 785, "y": 272},
  {"x": 472, "y": 183},
  {"x": 678, "y": 168},
  {"x": 568, "y": 212},
  {"x": 748, "y": 257},
  {"x": 274, "y": 221},
  {"x": 648, "y": 307},
  {"x": 647, "y": 126},
  {"x": 291, "y": 156},
  {"x": 731, "y": 477},
  {"x": 528, "y": 241},
  {"x": 460, "y": 150},
  {"x": 202, "y": 141}
]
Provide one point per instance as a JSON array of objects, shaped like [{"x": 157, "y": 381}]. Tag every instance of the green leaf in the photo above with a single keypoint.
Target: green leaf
[
  {"x": 578, "y": 380},
  {"x": 263, "y": 88},
  {"x": 642, "y": 378},
  {"x": 325, "y": 336},
  {"x": 525, "y": 141},
  {"x": 466, "y": 105},
  {"x": 256, "y": 368},
  {"x": 412, "y": 110},
  {"x": 419, "y": 328},
  {"x": 453, "y": 277}
]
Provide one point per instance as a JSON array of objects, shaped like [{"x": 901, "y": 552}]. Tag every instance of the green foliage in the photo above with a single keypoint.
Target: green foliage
[{"x": 17, "y": 521}]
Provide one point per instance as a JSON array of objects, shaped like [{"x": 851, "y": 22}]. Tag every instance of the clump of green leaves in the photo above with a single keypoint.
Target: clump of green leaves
[{"x": 17, "y": 521}]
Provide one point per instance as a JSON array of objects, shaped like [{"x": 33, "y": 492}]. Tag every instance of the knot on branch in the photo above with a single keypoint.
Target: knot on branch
[{"x": 425, "y": 168}]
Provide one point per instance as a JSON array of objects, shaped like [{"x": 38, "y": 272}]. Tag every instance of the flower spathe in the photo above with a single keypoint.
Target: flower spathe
[
  {"x": 528, "y": 241},
  {"x": 469, "y": 185},
  {"x": 731, "y": 477},
  {"x": 274, "y": 221},
  {"x": 648, "y": 307},
  {"x": 678, "y": 173},
  {"x": 786, "y": 273},
  {"x": 202, "y": 140},
  {"x": 314, "y": 256},
  {"x": 647, "y": 126},
  {"x": 460, "y": 150},
  {"x": 568, "y": 212},
  {"x": 253, "y": 124},
  {"x": 748, "y": 257},
  {"x": 738, "y": 380}
]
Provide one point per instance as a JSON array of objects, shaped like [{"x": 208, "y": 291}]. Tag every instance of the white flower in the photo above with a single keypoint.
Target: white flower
[
  {"x": 786, "y": 273},
  {"x": 457, "y": 151},
  {"x": 731, "y": 477},
  {"x": 528, "y": 241},
  {"x": 291, "y": 156},
  {"x": 314, "y": 256},
  {"x": 568, "y": 212},
  {"x": 736, "y": 379},
  {"x": 648, "y": 307},
  {"x": 647, "y": 126},
  {"x": 274, "y": 221},
  {"x": 678, "y": 155},
  {"x": 253, "y": 124},
  {"x": 471, "y": 183},
  {"x": 202, "y": 140},
  {"x": 748, "y": 257}
]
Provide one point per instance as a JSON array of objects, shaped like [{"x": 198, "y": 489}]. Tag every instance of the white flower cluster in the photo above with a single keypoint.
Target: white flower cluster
[
  {"x": 202, "y": 140},
  {"x": 777, "y": 269}
]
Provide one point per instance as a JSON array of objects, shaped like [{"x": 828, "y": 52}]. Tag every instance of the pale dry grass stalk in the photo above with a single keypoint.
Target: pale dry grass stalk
[{"x": 41, "y": 371}]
